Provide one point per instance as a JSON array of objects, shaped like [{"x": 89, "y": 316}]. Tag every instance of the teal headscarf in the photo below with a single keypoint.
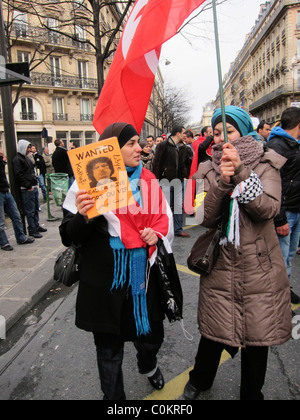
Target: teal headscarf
[{"x": 241, "y": 118}]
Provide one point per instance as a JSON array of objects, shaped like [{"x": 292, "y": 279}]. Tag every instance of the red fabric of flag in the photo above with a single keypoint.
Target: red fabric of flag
[{"x": 127, "y": 89}]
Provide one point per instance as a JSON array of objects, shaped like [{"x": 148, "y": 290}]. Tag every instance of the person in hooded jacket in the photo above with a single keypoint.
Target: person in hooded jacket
[
  {"x": 245, "y": 300},
  {"x": 284, "y": 140},
  {"x": 28, "y": 184}
]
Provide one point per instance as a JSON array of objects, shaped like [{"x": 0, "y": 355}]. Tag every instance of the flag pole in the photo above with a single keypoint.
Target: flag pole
[{"x": 219, "y": 71}]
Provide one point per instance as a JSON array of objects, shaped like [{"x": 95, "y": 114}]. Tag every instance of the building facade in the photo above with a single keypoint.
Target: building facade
[
  {"x": 57, "y": 39},
  {"x": 265, "y": 76}
]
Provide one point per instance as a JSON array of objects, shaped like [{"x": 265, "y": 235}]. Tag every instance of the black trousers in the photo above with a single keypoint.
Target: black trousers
[
  {"x": 253, "y": 372},
  {"x": 110, "y": 352}
]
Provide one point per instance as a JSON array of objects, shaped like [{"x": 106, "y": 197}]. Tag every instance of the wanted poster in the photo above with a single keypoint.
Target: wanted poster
[{"x": 99, "y": 169}]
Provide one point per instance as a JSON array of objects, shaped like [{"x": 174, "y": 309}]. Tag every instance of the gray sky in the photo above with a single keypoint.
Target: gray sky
[{"x": 194, "y": 67}]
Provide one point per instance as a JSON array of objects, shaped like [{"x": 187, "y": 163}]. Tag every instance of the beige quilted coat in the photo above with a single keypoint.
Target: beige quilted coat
[{"x": 245, "y": 301}]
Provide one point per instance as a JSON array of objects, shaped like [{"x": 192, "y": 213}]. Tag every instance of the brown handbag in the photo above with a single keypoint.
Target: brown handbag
[{"x": 205, "y": 252}]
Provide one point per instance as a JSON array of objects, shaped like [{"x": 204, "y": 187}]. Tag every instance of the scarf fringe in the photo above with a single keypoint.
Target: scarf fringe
[{"x": 136, "y": 260}]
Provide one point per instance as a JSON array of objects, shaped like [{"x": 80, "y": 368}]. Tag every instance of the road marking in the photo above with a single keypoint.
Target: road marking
[
  {"x": 185, "y": 270},
  {"x": 174, "y": 389}
]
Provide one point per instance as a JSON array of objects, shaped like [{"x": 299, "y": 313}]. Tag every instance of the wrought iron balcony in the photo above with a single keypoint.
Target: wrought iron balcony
[
  {"x": 70, "y": 82},
  {"x": 60, "y": 117},
  {"x": 86, "y": 117},
  {"x": 47, "y": 36},
  {"x": 28, "y": 116}
]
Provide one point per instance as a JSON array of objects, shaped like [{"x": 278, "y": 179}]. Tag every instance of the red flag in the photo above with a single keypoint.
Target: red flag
[{"x": 126, "y": 92}]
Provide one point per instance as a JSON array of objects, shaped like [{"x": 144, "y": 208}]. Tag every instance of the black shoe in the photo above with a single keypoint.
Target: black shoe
[
  {"x": 295, "y": 299},
  {"x": 28, "y": 241},
  {"x": 41, "y": 229},
  {"x": 190, "y": 392},
  {"x": 157, "y": 380},
  {"x": 36, "y": 235},
  {"x": 7, "y": 247}
]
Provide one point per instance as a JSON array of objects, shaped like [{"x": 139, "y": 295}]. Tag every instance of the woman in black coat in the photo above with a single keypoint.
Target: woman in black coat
[{"x": 104, "y": 308}]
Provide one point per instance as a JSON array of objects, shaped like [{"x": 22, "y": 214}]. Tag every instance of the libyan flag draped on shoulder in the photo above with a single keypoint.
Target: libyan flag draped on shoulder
[{"x": 127, "y": 89}]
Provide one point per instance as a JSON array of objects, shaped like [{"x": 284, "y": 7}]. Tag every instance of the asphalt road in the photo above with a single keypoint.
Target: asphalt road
[{"x": 45, "y": 357}]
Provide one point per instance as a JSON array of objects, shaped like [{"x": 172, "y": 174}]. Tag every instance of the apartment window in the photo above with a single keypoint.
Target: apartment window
[
  {"x": 56, "y": 77},
  {"x": 20, "y": 23},
  {"x": 298, "y": 20},
  {"x": 1, "y": 115},
  {"x": 83, "y": 74},
  {"x": 53, "y": 26},
  {"x": 76, "y": 137},
  {"x": 58, "y": 110},
  {"x": 62, "y": 135},
  {"x": 23, "y": 57},
  {"x": 27, "y": 112},
  {"x": 80, "y": 33},
  {"x": 85, "y": 110},
  {"x": 89, "y": 137}
]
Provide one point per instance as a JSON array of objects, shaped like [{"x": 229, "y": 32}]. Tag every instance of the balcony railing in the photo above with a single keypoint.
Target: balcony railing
[
  {"x": 73, "y": 82},
  {"x": 60, "y": 117},
  {"x": 46, "y": 36},
  {"x": 86, "y": 117},
  {"x": 28, "y": 116}
]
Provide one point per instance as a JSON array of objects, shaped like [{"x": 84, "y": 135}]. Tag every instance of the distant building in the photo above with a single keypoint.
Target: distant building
[
  {"x": 265, "y": 76},
  {"x": 61, "y": 100},
  {"x": 208, "y": 111}
]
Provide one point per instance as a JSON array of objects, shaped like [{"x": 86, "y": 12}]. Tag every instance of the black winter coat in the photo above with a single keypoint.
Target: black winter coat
[
  {"x": 24, "y": 172},
  {"x": 61, "y": 162},
  {"x": 290, "y": 176},
  {"x": 170, "y": 161},
  {"x": 98, "y": 309}
]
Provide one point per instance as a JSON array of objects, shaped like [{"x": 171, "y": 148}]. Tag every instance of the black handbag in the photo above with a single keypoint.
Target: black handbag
[
  {"x": 67, "y": 264},
  {"x": 205, "y": 252},
  {"x": 169, "y": 283}
]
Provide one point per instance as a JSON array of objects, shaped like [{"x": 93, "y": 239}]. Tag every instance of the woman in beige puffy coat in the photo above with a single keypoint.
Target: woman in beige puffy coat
[{"x": 245, "y": 301}]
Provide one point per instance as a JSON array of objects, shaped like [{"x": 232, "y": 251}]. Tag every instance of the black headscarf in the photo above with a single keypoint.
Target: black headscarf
[{"x": 123, "y": 131}]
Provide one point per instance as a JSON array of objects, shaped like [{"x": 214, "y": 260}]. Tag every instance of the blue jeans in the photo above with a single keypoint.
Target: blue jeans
[
  {"x": 31, "y": 208},
  {"x": 8, "y": 206},
  {"x": 41, "y": 181},
  {"x": 174, "y": 196},
  {"x": 289, "y": 244}
]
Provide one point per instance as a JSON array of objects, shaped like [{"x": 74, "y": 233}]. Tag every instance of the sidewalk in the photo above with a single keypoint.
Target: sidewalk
[{"x": 27, "y": 271}]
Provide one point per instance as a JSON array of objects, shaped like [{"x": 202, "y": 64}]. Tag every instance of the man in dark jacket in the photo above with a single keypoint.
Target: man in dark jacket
[
  {"x": 170, "y": 165},
  {"x": 61, "y": 162},
  {"x": 8, "y": 206},
  {"x": 28, "y": 184},
  {"x": 285, "y": 141}
]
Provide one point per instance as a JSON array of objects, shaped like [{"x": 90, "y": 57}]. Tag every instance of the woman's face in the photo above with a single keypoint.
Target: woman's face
[
  {"x": 131, "y": 152},
  {"x": 147, "y": 149},
  {"x": 232, "y": 133}
]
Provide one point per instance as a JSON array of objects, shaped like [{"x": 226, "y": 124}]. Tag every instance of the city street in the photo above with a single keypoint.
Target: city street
[{"x": 45, "y": 357}]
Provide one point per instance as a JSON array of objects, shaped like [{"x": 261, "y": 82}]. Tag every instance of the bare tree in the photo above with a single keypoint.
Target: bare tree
[{"x": 175, "y": 108}]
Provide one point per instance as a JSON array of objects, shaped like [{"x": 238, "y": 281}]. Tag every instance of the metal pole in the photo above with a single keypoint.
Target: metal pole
[
  {"x": 8, "y": 122},
  {"x": 220, "y": 71}
]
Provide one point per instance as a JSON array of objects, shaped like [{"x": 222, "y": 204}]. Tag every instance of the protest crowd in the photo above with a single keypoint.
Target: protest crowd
[{"x": 244, "y": 174}]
